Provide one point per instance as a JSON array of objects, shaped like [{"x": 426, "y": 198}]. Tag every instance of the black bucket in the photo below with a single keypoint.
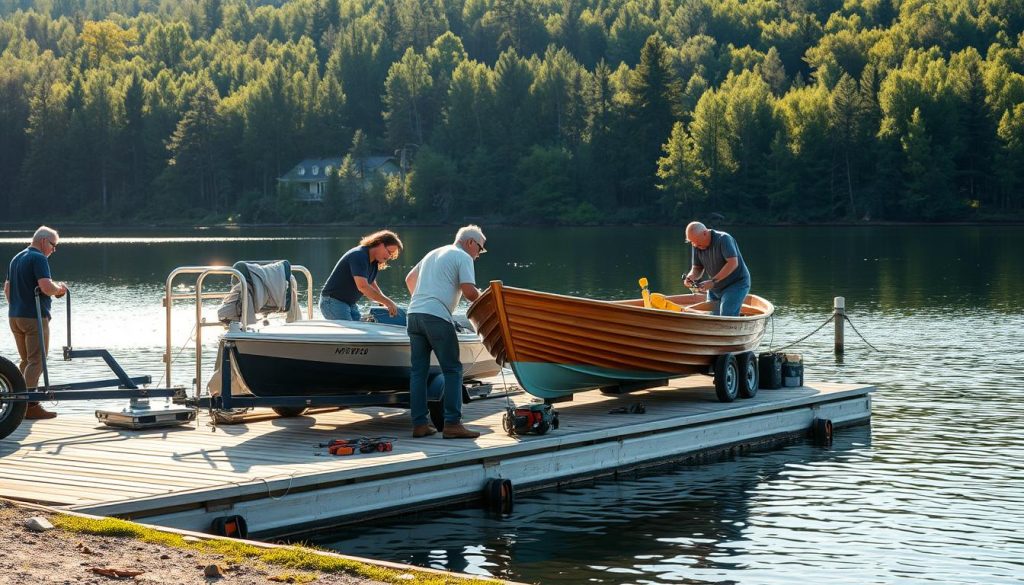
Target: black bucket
[{"x": 769, "y": 366}]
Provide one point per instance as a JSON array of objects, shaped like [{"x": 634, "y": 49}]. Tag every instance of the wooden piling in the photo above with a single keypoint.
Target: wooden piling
[{"x": 839, "y": 318}]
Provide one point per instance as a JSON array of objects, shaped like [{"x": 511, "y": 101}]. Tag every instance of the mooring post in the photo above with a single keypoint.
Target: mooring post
[{"x": 839, "y": 316}]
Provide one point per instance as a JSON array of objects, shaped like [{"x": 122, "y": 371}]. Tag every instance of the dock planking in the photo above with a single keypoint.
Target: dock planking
[{"x": 272, "y": 471}]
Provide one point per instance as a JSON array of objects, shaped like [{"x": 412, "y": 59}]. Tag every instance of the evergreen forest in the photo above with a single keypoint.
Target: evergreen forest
[{"x": 520, "y": 111}]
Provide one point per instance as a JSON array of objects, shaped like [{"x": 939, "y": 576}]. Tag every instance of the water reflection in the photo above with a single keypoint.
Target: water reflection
[{"x": 686, "y": 525}]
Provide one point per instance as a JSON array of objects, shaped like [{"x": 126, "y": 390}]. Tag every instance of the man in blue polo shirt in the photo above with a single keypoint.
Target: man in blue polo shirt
[
  {"x": 30, "y": 269},
  {"x": 716, "y": 255}
]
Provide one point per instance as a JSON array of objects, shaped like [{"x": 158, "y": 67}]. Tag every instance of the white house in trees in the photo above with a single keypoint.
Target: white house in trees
[{"x": 308, "y": 179}]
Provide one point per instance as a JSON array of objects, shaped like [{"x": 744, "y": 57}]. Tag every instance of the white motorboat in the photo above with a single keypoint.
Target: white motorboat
[{"x": 322, "y": 357}]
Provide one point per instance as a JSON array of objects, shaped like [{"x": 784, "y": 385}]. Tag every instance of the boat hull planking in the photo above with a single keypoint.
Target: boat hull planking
[{"x": 558, "y": 344}]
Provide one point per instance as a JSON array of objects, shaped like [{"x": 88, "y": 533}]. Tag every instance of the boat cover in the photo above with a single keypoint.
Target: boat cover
[{"x": 272, "y": 289}]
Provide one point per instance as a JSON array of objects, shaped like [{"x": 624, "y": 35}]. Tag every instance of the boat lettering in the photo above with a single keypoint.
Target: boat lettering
[{"x": 351, "y": 350}]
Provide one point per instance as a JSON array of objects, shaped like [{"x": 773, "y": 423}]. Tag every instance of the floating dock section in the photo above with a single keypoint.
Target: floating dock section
[{"x": 273, "y": 473}]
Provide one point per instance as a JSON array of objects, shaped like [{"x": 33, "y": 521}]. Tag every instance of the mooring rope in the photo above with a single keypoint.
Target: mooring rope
[
  {"x": 827, "y": 321},
  {"x": 854, "y": 327},
  {"x": 291, "y": 477},
  {"x": 819, "y": 328}
]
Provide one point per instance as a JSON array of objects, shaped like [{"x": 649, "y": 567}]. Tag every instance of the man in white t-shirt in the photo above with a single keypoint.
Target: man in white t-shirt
[{"x": 437, "y": 283}]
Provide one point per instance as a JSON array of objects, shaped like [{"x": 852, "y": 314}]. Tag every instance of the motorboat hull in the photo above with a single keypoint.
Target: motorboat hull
[{"x": 314, "y": 358}]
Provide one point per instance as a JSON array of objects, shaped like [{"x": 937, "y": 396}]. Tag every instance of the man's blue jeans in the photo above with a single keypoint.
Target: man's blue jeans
[
  {"x": 429, "y": 333},
  {"x": 337, "y": 310},
  {"x": 728, "y": 302}
]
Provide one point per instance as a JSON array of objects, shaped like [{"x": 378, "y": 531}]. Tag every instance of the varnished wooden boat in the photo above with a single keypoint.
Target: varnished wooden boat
[{"x": 559, "y": 344}]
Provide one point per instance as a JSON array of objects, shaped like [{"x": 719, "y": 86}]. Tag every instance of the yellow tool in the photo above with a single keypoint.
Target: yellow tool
[
  {"x": 658, "y": 301},
  {"x": 646, "y": 294}
]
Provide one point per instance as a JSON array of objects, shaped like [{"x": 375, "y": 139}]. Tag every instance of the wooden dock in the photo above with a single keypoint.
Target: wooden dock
[{"x": 271, "y": 471}]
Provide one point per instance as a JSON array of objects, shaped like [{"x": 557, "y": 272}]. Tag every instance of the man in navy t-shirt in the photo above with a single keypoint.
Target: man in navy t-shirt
[
  {"x": 355, "y": 276},
  {"x": 717, "y": 256},
  {"x": 30, "y": 269}
]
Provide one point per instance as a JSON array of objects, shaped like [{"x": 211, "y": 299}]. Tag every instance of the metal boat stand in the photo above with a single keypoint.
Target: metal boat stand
[{"x": 140, "y": 414}]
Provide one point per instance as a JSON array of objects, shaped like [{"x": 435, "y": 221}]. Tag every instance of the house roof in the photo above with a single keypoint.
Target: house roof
[{"x": 314, "y": 170}]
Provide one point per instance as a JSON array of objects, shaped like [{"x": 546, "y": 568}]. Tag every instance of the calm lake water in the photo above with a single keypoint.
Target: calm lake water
[{"x": 931, "y": 492}]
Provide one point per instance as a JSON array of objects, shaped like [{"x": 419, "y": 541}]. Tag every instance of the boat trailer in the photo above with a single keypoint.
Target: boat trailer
[
  {"x": 224, "y": 407},
  {"x": 15, "y": 396}
]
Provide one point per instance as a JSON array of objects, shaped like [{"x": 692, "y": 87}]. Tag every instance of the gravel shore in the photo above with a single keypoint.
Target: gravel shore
[{"x": 64, "y": 556}]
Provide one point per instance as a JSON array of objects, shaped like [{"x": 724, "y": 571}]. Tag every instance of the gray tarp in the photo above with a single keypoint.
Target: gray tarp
[{"x": 267, "y": 290}]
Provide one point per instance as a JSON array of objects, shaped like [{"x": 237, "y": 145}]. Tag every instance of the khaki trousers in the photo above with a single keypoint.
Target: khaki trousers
[{"x": 26, "y": 336}]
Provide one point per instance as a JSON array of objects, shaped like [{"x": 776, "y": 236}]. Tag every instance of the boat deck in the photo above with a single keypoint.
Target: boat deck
[{"x": 271, "y": 470}]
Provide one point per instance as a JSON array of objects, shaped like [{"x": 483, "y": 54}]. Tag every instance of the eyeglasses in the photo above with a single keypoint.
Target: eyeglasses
[
  {"x": 52, "y": 245},
  {"x": 479, "y": 246}
]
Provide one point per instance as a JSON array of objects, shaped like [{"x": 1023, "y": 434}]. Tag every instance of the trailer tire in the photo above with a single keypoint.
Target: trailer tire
[
  {"x": 289, "y": 411},
  {"x": 727, "y": 378},
  {"x": 12, "y": 412},
  {"x": 749, "y": 378}
]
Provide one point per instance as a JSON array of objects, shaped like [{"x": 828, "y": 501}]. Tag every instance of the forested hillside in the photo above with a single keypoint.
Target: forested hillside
[{"x": 530, "y": 111}]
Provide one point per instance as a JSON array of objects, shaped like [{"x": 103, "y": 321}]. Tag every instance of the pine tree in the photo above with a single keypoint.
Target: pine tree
[
  {"x": 193, "y": 147},
  {"x": 653, "y": 98},
  {"x": 711, "y": 156},
  {"x": 1011, "y": 159},
  {"x": 772, "y": 71},
  {"x": 679, "y": 183},
  {"x": 103, "y": 122},
  {"x": 133, "y": 144},
  {"x": 846, "y": 122},
  {"x": 599, "y": 158},
  {"x": 927, "y": 173},
  {"x": 47, "y": 134},
  {"x": 406, "y": 100}
]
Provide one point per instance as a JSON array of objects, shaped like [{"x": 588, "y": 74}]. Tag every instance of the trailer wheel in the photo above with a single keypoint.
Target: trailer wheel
[
  {"x": 749, "y": 379},
  {"x": 12, "y": 412},
  {"x": 289, "y": 411},
  {"x": 727, "y": 378}
]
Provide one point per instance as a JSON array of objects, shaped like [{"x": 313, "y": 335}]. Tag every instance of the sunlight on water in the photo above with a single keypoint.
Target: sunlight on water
[
  {"x": 931, "y": 492},
  {"x": 168, "y": 240}
]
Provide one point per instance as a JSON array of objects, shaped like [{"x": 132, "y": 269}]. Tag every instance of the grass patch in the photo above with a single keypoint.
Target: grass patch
[
  {"x": 294, "y": 578},
  {"x": 117, "y": 527},
  {"x": 229, "y": 549},
  {"x": 293, "y": 557},
  {"x": 311, "y": 560}
]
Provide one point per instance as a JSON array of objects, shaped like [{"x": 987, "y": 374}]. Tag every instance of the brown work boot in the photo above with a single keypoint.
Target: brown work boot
[
  {"x": 457, "y": 431},
  {"x": 37, "y": 412},
  {"x": 423, "y": 431}
]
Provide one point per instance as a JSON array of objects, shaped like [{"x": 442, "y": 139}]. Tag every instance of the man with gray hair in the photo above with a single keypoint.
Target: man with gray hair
[
  {"x": 436, "y": 284},
  {"x": 716, "y": 255},
  {"x": 29, "y": 269}
]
